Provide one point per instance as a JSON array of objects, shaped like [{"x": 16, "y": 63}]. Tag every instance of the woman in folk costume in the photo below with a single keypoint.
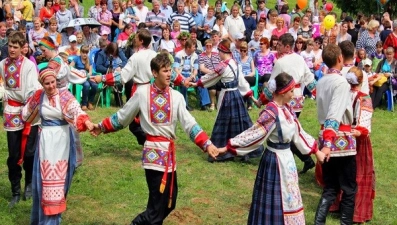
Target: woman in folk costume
[
  {"x": 232, "y": 117},
  {"x": 365, "y": 174},
  {"x": 276, "y": 198},
  {"x": 64, "y": 76},
  {"x": 55, "y": 157}
]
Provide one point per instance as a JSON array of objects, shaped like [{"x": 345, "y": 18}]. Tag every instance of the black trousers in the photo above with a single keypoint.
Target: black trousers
[
  {"x": 14, "y": 139},
  {"x": 339, "y": 173},
  {"x": 157, "y": 207},
  {"x": 377, "y": 94},
  {"x": 295, "y": 150}
]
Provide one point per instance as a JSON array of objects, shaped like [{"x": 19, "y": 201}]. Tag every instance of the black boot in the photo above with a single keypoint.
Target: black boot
[
  {"x": 28, "y": 192},
  {"x": 346, "y": 215},
  {"x": 309, "y": 164},
  {"x": 322, "y": 211},
  {"x": 16, "y": 193}
]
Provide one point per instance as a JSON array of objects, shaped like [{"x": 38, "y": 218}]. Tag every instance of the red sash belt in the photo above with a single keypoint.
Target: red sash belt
[
  {"x": 170, "y": 156},
  {"x": 297, "y": 85},
  {"x": 342, "y": 127},
  {"x": 25, "y": 130}
]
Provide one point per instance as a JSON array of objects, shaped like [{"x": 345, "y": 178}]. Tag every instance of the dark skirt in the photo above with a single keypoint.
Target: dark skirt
[
  {"x": 232, "y": 120},
  {"x": 267, "y": 206}
]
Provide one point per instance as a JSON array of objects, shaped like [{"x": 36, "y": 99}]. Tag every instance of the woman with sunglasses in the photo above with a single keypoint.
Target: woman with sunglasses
[
  {"x": 263, "y": 60},
  {"x": 247, "y": 64}
]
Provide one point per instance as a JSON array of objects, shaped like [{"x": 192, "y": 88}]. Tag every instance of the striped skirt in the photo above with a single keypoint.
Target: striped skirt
[
  {"x": 276, "y": 197},
  {"x": 232, "y": 119}
]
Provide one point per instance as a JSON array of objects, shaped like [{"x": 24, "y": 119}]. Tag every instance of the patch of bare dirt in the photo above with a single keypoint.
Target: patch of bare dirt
[{"x": 184, "y": 216}]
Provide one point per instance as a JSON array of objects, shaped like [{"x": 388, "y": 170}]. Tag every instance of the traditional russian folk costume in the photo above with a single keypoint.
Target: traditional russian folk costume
[
  {"x": 20, "y": 81},
  {"x": 302, "y": 77},
  {"x": 365, "y": 177},
  {"x": 276, "y": 198},
  {"x": 232, "y": 117},
  {"x": 335, "y": 114},
  {"x": 55, "y": 157},
  {"x": 159, "y": 111}
]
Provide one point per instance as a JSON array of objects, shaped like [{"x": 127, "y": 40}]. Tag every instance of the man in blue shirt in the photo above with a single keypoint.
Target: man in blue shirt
[{"x": 249, "y": 23}]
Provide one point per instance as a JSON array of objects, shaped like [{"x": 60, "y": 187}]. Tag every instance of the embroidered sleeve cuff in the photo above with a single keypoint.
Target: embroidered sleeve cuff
[
  {"x": 80, "y": 123},
  {"x": 249, "y": 94},
  {"x": 364, "y": 131},
  {"x": 201, "y": 139},
  {"x": 199, "y": 83},
  {"x": 230, "y": 148},
  {"x": 107, "y": 126},
  {"x": 179, "y": 80}
]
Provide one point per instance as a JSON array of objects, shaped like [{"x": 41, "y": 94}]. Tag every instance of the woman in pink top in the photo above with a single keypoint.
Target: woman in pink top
[
  {"x": 281, "y": 28},
  {"x": 123, "y": 36}
]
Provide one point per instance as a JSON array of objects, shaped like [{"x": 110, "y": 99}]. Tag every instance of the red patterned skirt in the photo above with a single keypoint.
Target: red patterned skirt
[{"x": 363, "y": 209}]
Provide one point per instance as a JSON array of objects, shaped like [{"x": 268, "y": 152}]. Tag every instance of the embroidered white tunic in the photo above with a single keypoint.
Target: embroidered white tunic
[
  {"x": 335, "y": 111},
  {"x": 159, "y": 112}
]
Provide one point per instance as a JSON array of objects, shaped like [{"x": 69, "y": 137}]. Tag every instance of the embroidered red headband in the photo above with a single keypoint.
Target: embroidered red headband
[
  {"x": 286, "y": 88},
  {"x": 223, "y": 49},
  {"x": 47, "y": 44}
]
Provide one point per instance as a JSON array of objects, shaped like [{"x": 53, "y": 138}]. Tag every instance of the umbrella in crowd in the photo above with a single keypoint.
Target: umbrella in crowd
[{"x": 92, "y": 23}]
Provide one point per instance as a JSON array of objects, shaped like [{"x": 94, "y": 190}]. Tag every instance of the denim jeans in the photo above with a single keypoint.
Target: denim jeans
[{"x": 89, "y": 91}]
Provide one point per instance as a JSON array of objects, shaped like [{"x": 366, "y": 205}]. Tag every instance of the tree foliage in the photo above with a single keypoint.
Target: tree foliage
[{"x": 367, "y": 7}]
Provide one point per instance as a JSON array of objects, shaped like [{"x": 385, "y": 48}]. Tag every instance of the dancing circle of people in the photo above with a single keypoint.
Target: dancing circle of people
[{"x": 43, "y": 119}]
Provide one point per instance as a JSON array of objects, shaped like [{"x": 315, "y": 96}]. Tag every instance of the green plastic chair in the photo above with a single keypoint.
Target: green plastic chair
[
  {"x": 76, "y": 90},
  {"x": 255, "y": 88},
  {"x": 105, "y": 100}
]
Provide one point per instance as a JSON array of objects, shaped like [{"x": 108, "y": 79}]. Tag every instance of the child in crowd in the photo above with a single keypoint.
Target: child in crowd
[
  {"x": 377, "y": 56},
  {"x": 253, "y": 45},
  {"x": 273, "y": 43},
  {"x": 308, "y": 55},
  {"x": 82, "y": 62},
  {"x": 53, "y": 33},
  {"x": 367, "y": 63},
  {"x": 176, "y": 29},
  {"x": 79, "y": 37},
  {"x": 361, "y": 55}
]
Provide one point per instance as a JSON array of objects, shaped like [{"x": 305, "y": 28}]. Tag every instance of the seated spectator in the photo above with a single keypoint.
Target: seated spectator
[
  {"x": 186, "y": 63},
  {"x": 299, "y": 46},
  {"x": 105, "y": 35},
  {"x": 66, "y": 33},
  {"x": 219, "y": 26},
  {"x": 35, "y": 35},
  {"x": 3, "y": 34},
  {"x": 176, "y": 29},
  {"x": 180, "y": 41},
  {"x": 108, "y": 60},
  {"x": 215, "y": 38},
  {"x": 53, "y": 33},
  {"x": 264, "y": 60},
  {"x": 387, "y": 67},
  {"x": 248, "y": 68},
  {"x": 208, "y": 61},
  {"x": 82, "y": 62},
  {"x": 197, "y": 43},
  {"x": 209, "y": 22},
  {"x": 79, "y": 37},
  {"x": 90, "y": 38},
  {"x": 166, "y": 43},
  {"x": 123, "y": 36},
  {"x": 281, "y": 28},
  {"x": 272, "y": 19},
  {"x": 10, "y": 24},
  {"x": 261, "y": 27},
  {"x": 253, "y": 45},
  {"x": 73, "y": 50}
]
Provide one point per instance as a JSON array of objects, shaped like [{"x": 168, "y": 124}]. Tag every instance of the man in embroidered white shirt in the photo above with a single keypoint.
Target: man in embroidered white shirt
[{"x": 234, "y": 23}]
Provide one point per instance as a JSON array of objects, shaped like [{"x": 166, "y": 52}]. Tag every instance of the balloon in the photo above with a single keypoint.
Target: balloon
[
  {"x": 382, "y": 2},
  {"x": 329, "y": 6},
  {"x": 329, "y": 22},
  {"x": 302, "y": 4}
]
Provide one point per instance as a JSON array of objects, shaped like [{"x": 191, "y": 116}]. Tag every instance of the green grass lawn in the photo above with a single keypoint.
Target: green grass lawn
[{"x": 110, "y": 187}]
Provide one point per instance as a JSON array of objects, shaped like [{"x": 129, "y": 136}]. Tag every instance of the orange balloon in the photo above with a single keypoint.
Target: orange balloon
[
  {"x": 383, "y": 2},
  {"x": 302, "y": 3}
]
